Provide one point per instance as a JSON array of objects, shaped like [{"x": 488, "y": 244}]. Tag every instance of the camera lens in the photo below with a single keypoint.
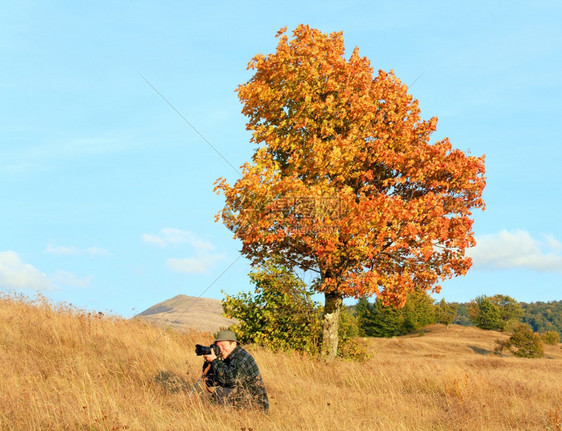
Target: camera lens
[{"x": 202, "y": 350}]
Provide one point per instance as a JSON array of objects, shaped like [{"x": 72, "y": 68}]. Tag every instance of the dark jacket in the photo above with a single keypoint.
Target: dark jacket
[{"x": 238, "y": 381}]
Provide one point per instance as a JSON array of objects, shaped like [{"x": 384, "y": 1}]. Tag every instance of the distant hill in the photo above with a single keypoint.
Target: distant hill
[{"x": 188, "y": 312}]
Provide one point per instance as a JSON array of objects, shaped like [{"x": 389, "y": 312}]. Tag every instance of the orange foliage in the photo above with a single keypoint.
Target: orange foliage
[{"x": 344, "y": 179}]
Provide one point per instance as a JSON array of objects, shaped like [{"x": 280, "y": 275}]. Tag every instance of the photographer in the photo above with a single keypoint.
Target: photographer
[{"x": 236, "y": 378}]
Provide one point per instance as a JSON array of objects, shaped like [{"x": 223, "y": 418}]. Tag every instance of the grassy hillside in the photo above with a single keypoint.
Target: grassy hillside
[
  {"x": 188, "y": 312},
  {"x": 67, "y": 369}
]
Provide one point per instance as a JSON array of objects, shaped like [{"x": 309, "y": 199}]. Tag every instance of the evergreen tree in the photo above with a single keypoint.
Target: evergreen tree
[
  {"x": 364, "y": 311},
  {"x": 484, "y": 313},
  {"x": 378, "y": 320},
  {"x": 495, "y": 312},
  {"x": 387, "y": 321},
  {"x": 418, "y": 312}
]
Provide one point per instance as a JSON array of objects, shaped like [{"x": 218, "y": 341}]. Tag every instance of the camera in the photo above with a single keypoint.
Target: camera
[{"x": 201, "y": 350}]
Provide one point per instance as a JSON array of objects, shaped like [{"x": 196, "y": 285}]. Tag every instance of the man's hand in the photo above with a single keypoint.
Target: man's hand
[{"x": 211, "y": 357}]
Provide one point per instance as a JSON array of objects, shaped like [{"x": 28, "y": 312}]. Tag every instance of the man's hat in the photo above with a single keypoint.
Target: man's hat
[{"x": 226, "y": 336}]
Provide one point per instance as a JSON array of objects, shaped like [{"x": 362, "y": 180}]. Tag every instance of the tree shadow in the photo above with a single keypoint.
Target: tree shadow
[{"x": 480, "y": 350}]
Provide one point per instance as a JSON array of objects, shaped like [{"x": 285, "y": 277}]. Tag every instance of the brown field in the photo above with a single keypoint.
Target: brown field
[{"x": 65, "y": 369}]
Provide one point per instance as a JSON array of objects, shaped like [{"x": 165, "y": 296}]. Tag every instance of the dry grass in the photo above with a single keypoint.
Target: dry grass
[{"x": 64, "y": 369}]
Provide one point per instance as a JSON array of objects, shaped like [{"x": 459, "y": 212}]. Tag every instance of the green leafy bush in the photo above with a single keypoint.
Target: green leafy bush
[
  {"x": 280, "y": 314},
  {"x": 349, "y": 324},
  {"x": 550, "y": 337},
  {"x": 354, "y": 349},
  {"x": 523, "y": 343},
  {"x": 349, "y": 345}
]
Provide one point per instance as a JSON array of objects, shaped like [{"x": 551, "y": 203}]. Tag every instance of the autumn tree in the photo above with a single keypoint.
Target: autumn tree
[{"x": 344, "y": 180}]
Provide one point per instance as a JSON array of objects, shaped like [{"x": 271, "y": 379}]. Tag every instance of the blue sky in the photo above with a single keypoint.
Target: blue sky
[{"x": 106, "y": 192}]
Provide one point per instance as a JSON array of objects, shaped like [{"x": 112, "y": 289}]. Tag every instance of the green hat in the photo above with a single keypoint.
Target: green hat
[{"x": 226, "y": 336}]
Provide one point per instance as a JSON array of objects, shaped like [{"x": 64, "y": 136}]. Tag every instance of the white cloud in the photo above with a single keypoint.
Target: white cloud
[
  {"x": 66, "y": 278},
  {"x": 177, "y": 236},
  {"x": 15, "y": 274},
  {"x": 74, "y": 251},
  {"x": 193, "y": 265},
  {"x": 554, "y": 243},
  {"x": 61, "y": 250},
  {"x": 97, "y": 251},
  {"x": 203, "y": 260},
  {"x": 153, "y": 239},
  {"x": 517, "y": 249}
]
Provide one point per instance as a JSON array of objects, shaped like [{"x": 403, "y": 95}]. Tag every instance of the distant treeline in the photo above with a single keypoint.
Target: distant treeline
[
  {"x": 498, "y": 312},
  {"x": 541, "y": 316}
]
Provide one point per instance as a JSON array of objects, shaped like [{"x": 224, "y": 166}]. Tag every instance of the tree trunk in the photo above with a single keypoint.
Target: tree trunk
[{"x": 332, "y": 308}]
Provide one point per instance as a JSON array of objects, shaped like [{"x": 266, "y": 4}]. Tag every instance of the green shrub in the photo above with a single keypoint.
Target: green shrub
[
  {"x": 280, "y": 314},
  {"x": 354, "y": 349},
  {"x": 349, "y": 324},
  {"x": 349, "y": 346},
  {"x": 550, "y": 337},
  {"x": 523, "y": 343}
]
